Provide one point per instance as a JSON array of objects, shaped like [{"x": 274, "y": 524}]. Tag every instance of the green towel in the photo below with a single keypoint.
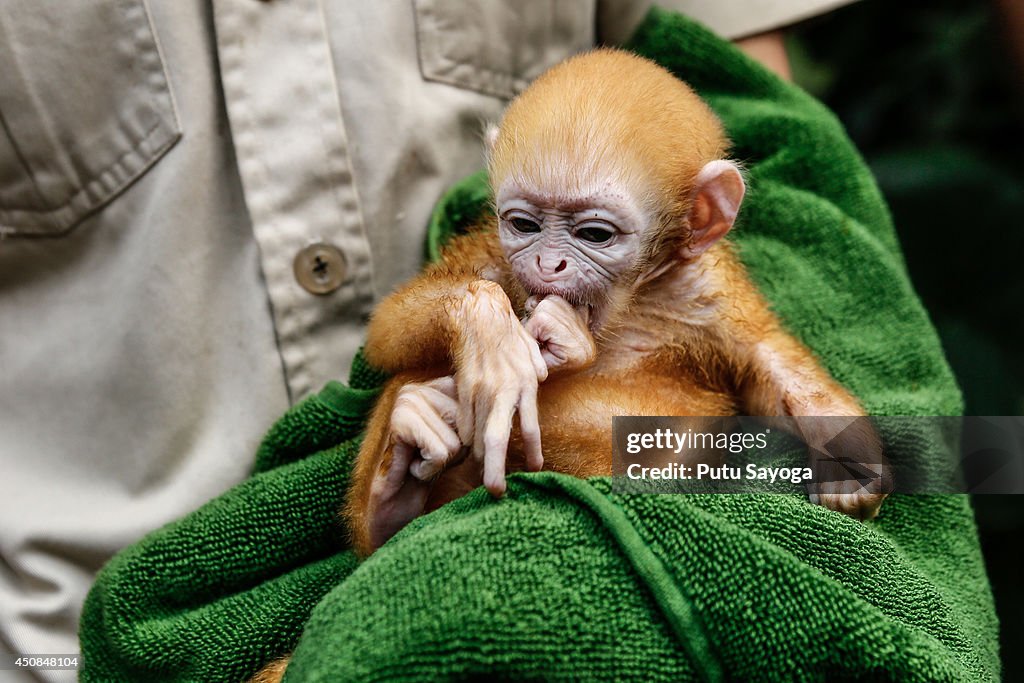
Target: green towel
[{"x": 564, "y": 579}]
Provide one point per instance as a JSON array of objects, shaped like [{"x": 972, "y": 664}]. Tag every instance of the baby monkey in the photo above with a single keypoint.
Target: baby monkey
[{"x": 613, "y": 193}]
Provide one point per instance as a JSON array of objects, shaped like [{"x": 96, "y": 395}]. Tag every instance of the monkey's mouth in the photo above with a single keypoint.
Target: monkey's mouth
[
  {"x": 575, "y": 296},
  {"x": 593, "y": 312},
  {"x": 590, "y": 300}
]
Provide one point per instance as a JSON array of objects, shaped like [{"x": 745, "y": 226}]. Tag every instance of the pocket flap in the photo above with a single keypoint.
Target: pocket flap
[{"x": 85, "y": 109}]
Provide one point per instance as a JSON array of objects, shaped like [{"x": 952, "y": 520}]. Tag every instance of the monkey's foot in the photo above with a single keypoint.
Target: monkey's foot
[
  {"x": 862, "y": 505},
  {"x": 423, "y": 444}
]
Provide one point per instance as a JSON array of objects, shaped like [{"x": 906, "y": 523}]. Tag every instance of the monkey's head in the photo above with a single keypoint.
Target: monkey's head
[{"x": 606, "y": 171}]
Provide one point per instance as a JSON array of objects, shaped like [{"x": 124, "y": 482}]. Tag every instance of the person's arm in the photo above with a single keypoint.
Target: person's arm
[
  {"x": 769, "y": 48},
  {"x": 756, "y": 27}
]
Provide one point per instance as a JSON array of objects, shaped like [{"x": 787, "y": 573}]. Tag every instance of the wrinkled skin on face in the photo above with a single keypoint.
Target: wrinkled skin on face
[{"x": 573, "y": 246}]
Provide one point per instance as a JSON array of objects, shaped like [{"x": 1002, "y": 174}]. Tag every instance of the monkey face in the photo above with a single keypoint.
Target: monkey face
[
  {"x": 577, "y": 245},
  {"x": 606, "y": 171}
]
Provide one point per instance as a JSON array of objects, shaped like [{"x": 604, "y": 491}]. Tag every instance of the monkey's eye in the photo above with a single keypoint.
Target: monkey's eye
[
  {"x": 525, "y": 225},
  {"x": 594, "y": 235}
]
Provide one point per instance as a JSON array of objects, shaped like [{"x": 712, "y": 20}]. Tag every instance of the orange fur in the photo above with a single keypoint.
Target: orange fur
[
  {"x": 272, "y": 672},
  {"x": 668, "y": 366},
  {"x": 611, "y": 96}
]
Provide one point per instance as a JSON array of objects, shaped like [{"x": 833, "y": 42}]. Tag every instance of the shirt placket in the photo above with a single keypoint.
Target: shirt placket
[{"x": 292, "y": 151}]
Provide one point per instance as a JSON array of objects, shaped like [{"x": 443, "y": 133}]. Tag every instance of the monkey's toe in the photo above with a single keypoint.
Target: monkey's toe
[{"x": 860, "y": 505}]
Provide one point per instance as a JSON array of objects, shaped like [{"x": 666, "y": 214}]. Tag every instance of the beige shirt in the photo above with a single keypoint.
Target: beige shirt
[{"x": 200, "y": 203}]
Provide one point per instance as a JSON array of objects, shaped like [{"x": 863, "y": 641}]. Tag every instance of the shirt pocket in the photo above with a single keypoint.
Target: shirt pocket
[
  {"x": 498, "y": 46},
  {"x": 85, "y": 109}
]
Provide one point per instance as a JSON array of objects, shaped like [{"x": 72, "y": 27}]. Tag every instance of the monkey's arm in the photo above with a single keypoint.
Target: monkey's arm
[
  {"x": 459, "y": 318},
  {"x": 411, "y": 439},
  {"x": 774, "y": 373},
  {"x": 414, "y": 328}
]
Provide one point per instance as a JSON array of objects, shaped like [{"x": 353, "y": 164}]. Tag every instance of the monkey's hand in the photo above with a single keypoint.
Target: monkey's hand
[
  {"x": 562, "y": 332},
  {"x": 423, "y": 444},
  {"x": 498, "y": 367}
]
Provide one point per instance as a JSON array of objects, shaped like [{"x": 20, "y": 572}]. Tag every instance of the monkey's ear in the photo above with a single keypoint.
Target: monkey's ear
[{"x": 717, "y": 193}]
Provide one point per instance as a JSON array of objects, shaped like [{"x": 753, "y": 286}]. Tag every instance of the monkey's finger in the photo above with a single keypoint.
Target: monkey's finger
[
  {"x": 429, "y": 445},
  {"x": 446, "y": 407},
  {"x": 533, "y": 349},
  {"x": 465, "y": 419},
  {"x": 425, "y": 470},
  {"x": 558, "y": 309},
  {"x": 439, "y": 429},
  {"x": 445, "y": 385},
  {"x": 529, "y": 426},
  {"x": 408, "y": 419},
  {"x": 538, "y": 330},
  {"x": 415, "y": 418},
  {"x": 432, "y": 463},
  {"x": 571, "y": 329},
  {"x": 480, "y": 412},
  {"x": 539, "y": 366},
  {"x": 494, "y": 470},
  {"x": 401, "y": 455},
  {"x": 432, "y": 409},
  {"x": 550, "y": 359},
  {"x": 534, "y": 328},
  {"x": 499, "y": 424},
  {"x": 549, "y": 301},
  {"x": 434, "y": 460}
]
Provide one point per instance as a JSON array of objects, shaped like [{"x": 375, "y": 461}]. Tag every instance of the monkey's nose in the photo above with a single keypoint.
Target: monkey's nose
[{"x": 545, "y": 270}]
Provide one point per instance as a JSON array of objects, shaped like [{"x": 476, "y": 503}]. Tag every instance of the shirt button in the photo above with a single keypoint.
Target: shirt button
[{"x": 320, "y": 268}]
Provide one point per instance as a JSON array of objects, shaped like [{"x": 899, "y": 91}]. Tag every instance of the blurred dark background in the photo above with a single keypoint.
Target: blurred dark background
[{"x": 933, "y": 95}]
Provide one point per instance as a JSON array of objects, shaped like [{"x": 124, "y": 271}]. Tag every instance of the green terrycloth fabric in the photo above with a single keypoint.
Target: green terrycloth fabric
[{"x": 563, "y": 579}]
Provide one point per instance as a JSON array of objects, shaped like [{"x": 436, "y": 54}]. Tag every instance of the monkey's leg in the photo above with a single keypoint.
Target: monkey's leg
[
  {"x": 410, "y": 438},
  {"x": 788, "y": 380},
  {"x": 777, "y": 375}
]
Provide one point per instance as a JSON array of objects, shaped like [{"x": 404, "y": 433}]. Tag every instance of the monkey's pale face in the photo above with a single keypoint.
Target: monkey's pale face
[{"x": 573, "y": 244}]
